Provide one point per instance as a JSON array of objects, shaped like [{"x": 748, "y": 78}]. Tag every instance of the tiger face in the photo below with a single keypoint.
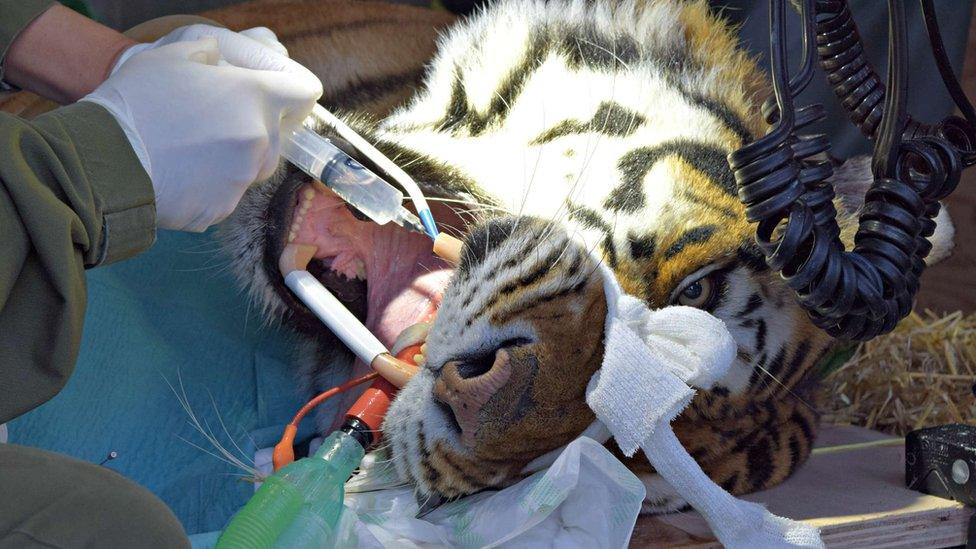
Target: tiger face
[{"x": 552, "y": 136}]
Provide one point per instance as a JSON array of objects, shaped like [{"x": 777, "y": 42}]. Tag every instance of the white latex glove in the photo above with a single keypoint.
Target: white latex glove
[
  {"x": 205, "y": 115},
  {"x": 189, "y": 33}
]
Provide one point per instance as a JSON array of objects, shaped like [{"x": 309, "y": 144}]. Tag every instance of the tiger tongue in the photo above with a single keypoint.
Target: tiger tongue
[{"x": 404, "y": 287}]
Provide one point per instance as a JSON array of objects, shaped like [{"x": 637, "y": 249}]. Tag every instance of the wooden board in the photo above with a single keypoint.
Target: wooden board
[{"x": 855, "y": 495}]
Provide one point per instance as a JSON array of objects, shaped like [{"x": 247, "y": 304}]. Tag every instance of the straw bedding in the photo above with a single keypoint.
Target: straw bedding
[{"x": 922, "y": 374}]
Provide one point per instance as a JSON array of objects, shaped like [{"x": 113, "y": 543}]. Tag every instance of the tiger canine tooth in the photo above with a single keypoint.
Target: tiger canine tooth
[
  {"x": 295, "y": 257},
  {"x": 412, "y": 335},
  {"x": 394, "y": 370}
]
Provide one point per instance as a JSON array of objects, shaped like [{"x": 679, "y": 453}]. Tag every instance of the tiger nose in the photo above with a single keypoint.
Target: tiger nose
[{"x": 466, "y": 386}]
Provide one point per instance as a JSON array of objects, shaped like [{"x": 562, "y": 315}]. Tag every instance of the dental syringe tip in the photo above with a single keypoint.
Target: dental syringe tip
[
  {"x": 409, "y": 221},
  {"x": 428, "y": 220}
]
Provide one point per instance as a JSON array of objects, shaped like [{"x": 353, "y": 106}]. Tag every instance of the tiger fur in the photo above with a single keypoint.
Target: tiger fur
[
  {"x": 578, "y": 125},
  {"x": 568, "y": 126}
]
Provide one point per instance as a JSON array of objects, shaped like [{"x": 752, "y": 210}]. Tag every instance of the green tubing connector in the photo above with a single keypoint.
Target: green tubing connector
[{"x": 300, "y": 505}]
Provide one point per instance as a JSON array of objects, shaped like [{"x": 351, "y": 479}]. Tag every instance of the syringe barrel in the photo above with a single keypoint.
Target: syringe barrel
[
  {"x": 319, "y": 158},
  {"x": 308, "y": 151}
]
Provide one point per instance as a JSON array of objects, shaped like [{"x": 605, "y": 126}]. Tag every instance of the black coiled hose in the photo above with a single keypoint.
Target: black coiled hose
[
  {"x": 862, "y": 92},
  {"x": 862, "y": 293}
]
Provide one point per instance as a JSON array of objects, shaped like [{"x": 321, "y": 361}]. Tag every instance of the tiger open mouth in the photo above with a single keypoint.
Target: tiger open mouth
[{"x": 386, "y": 275}]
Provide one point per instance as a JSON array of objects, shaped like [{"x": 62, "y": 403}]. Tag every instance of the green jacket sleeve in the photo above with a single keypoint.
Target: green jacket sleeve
[
  {"x": 72, "y": 195},
  {"x": 15, "y": 15}
]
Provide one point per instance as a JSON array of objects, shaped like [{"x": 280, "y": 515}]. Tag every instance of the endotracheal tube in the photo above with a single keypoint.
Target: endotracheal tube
[{"x": 301, "y": 504}]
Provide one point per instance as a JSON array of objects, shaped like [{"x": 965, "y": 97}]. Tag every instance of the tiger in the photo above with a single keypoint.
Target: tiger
[{"x": 549, "y": 136}]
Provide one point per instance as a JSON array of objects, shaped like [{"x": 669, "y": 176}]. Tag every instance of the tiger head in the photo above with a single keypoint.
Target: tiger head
[{"x": 552, "y": 136}]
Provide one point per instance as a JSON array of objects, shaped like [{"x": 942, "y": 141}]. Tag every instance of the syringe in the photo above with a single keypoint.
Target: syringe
[{"x": 375, "y": 198}]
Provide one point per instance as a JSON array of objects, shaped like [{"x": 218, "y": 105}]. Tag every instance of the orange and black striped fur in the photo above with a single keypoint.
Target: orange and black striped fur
[
  {"x": 562, "y": 127},
  {"x": 559, "y": 127}
]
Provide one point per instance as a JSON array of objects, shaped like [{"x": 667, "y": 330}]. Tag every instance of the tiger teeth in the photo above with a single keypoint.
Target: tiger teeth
[
  {"x": 295, "y": 257},
  {"x": 418, "y": 359},
  {"x": 410, "y": 336},
  {"x": 308, "y": 193},
  {"x": 291, "y": 236},
  {"x": 360, "y": 270}
]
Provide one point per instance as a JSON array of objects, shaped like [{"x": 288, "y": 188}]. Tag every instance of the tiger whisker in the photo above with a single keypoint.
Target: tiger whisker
[{"x": 788, "y": 390}]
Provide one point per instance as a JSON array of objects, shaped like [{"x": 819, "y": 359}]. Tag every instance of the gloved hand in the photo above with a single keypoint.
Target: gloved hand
[
  {"x": 203, "y": 109},
  {"x": 189, "y": 33}
]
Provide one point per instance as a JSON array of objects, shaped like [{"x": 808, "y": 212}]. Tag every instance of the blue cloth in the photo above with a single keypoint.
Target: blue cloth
[{"x": 172, "y": 315}]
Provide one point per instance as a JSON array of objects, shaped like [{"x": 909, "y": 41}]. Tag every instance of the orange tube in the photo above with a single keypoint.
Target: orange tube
[
  {"x": 370, "y": 408},
  {"x": 284, "y": 451}
]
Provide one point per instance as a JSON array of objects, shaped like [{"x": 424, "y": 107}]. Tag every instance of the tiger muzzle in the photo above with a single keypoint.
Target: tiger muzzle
[{"x": 466, "y": 386}]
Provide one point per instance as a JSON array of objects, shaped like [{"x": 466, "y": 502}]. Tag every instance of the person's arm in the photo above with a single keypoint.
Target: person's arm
[
  {"x": 53, "y": 51},
  {"x": 83, "y": 185},
  {"x": 73, "y": 194}
]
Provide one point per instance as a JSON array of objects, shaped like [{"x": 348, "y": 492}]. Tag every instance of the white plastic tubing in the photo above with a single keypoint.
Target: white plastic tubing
[{"x": 335, "y": 315}]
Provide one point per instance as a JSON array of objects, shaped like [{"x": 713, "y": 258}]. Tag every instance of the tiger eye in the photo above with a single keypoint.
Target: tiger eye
[{"x": 696, "y": 294}]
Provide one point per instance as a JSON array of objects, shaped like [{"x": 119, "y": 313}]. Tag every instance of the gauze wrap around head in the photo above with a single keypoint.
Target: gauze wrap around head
[{"x": 652, "y": 359}]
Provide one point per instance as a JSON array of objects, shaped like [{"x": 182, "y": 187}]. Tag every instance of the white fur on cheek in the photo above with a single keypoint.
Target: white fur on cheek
[
  {"x": 402, "y": 422},
  {"x": 414, "y": 412},
  {"x": 942, "y": 240}
]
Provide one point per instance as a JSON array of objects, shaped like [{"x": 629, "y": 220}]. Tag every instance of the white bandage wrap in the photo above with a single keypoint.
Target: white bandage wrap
[{"x": 652, "y": 359}]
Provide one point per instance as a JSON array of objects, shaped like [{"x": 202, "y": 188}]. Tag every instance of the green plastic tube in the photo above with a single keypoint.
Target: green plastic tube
[{"x": 300, "y": 505}]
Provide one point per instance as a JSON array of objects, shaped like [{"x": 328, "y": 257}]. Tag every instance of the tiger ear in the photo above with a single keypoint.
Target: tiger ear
[{"x": 851, "y": 180}]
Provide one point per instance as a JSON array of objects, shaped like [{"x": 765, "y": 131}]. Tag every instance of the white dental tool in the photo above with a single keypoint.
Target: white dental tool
[
  {"x": 337, "y": 317},
  {"x": 320, "y": 158}
]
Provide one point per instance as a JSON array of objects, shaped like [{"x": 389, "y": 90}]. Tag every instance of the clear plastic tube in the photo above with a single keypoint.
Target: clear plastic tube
[
  {"x": 390, "y": 167},
  {"x": 370, "y": 194}
]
